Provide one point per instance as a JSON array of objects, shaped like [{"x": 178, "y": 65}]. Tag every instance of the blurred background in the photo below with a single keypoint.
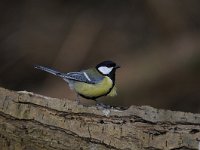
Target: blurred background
[{"x": 156, "y": 43}]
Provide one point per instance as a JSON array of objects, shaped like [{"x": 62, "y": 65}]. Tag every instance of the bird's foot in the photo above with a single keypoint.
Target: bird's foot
[{"x": 103, "y": 106}]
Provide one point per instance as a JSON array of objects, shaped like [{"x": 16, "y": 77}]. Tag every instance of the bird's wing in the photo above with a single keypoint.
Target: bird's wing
[
  {"x": 78, "y": 76},
  {"x": 87, "y": 76},
  {"x": 82, "y": 76}
]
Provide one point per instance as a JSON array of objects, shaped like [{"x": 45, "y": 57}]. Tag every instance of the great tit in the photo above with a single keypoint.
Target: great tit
[{"x": 91, "y": 83}]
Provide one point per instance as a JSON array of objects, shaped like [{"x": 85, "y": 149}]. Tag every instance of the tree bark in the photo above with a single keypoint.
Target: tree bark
[{"x": 32, "y": 122}]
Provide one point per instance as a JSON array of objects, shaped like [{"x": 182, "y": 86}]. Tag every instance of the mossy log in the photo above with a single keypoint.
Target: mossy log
[{"x": 33, "y": 122}]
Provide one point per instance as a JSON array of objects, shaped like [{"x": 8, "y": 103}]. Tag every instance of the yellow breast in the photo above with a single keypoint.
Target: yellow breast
[{"x": 94, "y": 90}]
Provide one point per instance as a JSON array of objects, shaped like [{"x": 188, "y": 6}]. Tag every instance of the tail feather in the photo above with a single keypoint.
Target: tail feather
[{"x": 49, "y": 70}]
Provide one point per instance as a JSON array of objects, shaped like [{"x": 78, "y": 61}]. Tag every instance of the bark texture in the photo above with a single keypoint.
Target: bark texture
[{"x": 33, "y": 122}]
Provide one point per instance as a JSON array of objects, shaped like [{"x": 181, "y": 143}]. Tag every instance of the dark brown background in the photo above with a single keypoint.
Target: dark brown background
[{"x": 157, "y": 43}]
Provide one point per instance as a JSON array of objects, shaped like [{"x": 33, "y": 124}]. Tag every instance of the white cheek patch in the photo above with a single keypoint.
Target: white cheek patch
[{"x": 105, "y": 70}]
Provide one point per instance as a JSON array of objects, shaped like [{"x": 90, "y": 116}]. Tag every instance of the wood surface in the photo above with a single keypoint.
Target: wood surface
[{"x": 33, "y": 122}]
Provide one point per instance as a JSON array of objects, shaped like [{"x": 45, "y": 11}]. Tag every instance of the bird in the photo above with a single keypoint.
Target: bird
[{"x": 90, "y": 83}]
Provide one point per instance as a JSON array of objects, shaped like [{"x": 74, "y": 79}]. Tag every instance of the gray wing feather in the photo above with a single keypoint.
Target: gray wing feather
[{"x": 78, "y": 76}]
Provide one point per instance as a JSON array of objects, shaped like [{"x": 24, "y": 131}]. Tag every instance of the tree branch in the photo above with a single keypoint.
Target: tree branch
[{"x": 31, "y": 121}]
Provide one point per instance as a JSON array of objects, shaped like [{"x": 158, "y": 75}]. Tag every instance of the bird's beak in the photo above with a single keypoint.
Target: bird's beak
[{"x": 117, "y": 66}]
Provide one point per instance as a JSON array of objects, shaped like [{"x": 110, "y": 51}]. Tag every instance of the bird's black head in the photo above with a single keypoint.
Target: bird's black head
[{"x": 108, "y": 68}]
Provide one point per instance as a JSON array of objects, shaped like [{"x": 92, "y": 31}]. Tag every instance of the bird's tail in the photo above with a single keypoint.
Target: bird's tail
[{"x": 49, "y": 70}]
